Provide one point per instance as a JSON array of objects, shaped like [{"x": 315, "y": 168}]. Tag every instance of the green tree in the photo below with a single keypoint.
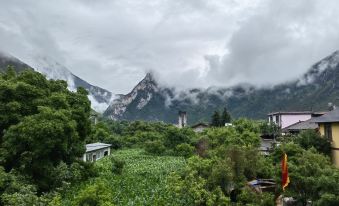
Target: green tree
[
  {"x": 225, "y": 117},
  {"x": 216, "y": 120},
  {"x": 312, "y": 175},
  {"x": 310, "y": 138},
  {"x": 45, "y": 139},
  {"x": 42, "y": 123}
]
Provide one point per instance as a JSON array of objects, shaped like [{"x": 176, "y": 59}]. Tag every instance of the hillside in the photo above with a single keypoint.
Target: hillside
[{"x": 100, "y": 98}]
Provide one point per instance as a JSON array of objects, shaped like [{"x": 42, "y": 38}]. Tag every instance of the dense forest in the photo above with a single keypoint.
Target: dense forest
[{"x": 44, "y": 128}]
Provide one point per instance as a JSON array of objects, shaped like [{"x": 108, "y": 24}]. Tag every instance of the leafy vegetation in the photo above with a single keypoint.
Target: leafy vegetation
[
  {"x": 143, "y": 180},
  {"x": 44, "y": 128}
]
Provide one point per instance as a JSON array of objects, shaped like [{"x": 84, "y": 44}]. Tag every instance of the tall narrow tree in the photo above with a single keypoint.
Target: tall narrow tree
[
  {"x": 225, "y": 117},
  {"x": 216, "y": 119}
]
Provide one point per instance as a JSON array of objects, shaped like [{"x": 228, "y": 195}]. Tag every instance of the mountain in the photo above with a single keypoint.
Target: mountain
[
  {"x": 6, "y": 59},
  {"x": 100, "y": 98},
  {"x": 149, "y": 101}
]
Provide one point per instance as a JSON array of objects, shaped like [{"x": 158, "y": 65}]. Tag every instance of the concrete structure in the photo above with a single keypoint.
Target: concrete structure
[
  {"x": 200, "y": 127},
  {"x": 182, "y": 122},
  {"x": 96, "y": 151},
  {"x": 285, "y": 119},
  {"x": 329, "y": 128}
]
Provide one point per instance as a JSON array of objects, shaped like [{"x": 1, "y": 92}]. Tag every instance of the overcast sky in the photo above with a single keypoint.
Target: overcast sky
[{"x": 187, "y": 43}]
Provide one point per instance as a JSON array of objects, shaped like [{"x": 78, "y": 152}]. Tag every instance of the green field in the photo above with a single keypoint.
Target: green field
[{"x": 143, "y": 180}]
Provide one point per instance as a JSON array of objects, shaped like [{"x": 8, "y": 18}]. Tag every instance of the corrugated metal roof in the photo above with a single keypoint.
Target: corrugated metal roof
[
  {"x": 331, "y": 116},
  {"x": 96, "y": 146}
]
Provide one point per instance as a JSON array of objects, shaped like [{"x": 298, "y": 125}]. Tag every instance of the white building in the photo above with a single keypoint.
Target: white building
[
  {"x": 285, "y": 119},
  {"x": 182, "y": 121},
  {"x": 96, "y": 151}
]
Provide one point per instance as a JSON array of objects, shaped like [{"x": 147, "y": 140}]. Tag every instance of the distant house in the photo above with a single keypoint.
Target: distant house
[
  {"x": 199, "y": 127},
  {"x": 96, "y": 151},
  {"x": 285, "y": 119},
  {"x": 329, "y": 128}
]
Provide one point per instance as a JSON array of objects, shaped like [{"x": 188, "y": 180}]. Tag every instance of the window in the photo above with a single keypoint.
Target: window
[
  {"x": 277, "y": 119},
  {"x": 328, "y": 131},
  {"x": 105, "y": 153},
  {"x": 271, "y": 119},
  {"x": 89, "y": 157},
  {"x": 94, "y": 158}
]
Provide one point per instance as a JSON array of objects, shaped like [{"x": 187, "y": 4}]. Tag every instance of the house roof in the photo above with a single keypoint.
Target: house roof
[
  {"x": 331, "y": 116},
  {"x": 302, "y": 125},
  {"x": 96, "y": 146},
  {"x": 292, "y": 112},
  {"x": 200, "y": 124}
]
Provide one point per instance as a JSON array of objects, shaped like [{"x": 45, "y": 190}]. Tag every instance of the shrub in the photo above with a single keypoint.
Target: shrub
[
  {"x": 155, "y": 147},
  {"x": 184, "y": 150},
  {"x": 117, "y": 165},
  {"x": 94, "y": 195}
]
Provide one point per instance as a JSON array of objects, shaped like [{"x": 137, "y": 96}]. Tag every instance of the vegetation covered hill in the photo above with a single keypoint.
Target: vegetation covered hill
[{"x": 149, "y": 101}]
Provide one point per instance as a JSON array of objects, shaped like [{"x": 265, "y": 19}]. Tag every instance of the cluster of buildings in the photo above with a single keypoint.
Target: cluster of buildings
[{"x": 326, "y": 123}]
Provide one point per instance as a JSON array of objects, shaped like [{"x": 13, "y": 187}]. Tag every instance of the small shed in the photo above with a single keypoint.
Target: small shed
[
  {"x": 199, "y": 127},
  {"x": 96, "y": 151}
]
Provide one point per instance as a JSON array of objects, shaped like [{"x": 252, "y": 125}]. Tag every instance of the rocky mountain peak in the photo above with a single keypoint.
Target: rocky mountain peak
[{"x": 149, "y": 79}]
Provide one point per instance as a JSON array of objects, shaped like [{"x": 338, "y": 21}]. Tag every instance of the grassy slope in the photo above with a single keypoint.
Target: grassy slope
[{"x": 143, "y": 180}]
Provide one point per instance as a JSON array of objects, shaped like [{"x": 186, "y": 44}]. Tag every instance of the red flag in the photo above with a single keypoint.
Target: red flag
[{"x": 285, "y": 180}]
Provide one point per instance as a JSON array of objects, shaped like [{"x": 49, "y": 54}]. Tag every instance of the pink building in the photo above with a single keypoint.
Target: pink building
[{"x": 285, "y": 119}]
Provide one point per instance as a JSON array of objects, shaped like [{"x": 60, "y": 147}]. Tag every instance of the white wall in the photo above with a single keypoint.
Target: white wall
[
  {"x": 88, "y": 156},
  {"x": 289, "y": 119}
]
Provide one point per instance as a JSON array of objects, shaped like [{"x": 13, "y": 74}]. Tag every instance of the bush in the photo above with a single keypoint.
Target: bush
[
  {"x": 311, "y": 138},
  {"x": 117, "y": 165},
  {"x": 155, "y": 147},
  {"x": 328, "y": 200},
  {"x": 115, "y": 141},
  {"x": 248, "y": 197},
  {"x": 94, "y": 195},
  {"x": 184, "y": 150}
]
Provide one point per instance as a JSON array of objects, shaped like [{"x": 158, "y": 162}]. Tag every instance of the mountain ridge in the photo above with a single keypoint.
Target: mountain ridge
[{"x": 311, "y": 91}]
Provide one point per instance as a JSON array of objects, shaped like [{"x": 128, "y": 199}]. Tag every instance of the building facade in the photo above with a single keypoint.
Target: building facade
[
  {"x": 329, "y": 128},
  {"x": 96, "y": 151},
  {"x": 285, "y": 119}
]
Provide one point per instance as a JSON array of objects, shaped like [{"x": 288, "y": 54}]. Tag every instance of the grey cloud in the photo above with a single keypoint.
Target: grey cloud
[
  {"x": 187, "y": 43},
  {"x": 279, "y": 43}
]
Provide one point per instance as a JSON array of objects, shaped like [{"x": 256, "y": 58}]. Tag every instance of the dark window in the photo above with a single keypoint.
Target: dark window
[
  {"x": 271, "y": 118},
  {"x": 105, "y": 153},
  {"x": 277, "y": 119},
  {"x": 328, "y": 131}
]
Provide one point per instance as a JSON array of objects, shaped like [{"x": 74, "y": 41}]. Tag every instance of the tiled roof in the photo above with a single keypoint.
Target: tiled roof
[
  {"x": 332, "y": 116},
  {"x": 302, "y": 125},
  {"x": 96, "y": 146}
]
